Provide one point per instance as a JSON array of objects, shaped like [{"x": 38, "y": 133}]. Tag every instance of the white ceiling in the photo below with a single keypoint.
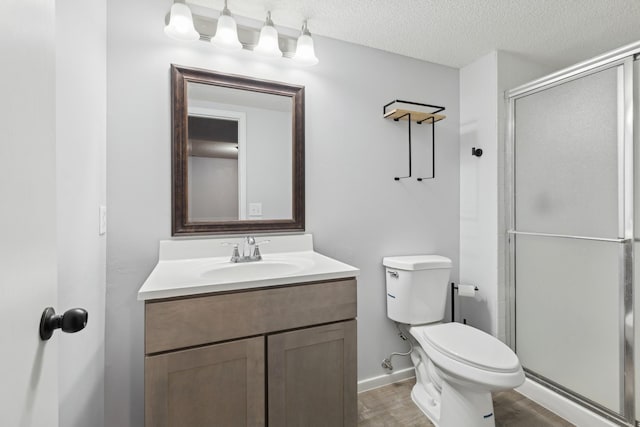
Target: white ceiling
[{"x": 456, "y": 32}]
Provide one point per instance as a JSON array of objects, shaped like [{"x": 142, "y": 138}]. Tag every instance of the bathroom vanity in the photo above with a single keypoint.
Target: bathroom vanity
[{"x": 271, "y": 342}]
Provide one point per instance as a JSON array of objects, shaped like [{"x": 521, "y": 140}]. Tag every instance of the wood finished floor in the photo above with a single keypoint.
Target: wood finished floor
[{"x": 391, "y": 405}]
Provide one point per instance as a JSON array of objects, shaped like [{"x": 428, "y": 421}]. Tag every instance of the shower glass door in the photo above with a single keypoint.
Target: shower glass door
[{"x": 571, "y": 236}]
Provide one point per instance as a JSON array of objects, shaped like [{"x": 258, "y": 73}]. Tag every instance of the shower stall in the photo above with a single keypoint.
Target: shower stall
[{"x": 573, "y": 225}]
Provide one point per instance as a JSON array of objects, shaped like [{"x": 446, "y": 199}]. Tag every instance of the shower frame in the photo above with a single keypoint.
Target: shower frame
[{"x": 623, "y": 59}]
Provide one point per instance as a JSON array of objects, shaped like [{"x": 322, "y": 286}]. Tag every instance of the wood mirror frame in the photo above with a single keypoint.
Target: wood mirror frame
[{"x": 181, "y": 225}]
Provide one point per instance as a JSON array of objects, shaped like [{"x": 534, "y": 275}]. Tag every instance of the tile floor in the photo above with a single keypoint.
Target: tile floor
[{"x": 391, "y": 405}]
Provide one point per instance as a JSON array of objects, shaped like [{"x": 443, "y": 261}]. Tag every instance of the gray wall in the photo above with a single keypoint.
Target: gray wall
[
  {"x": 81, "y": 123},
  {"x": 213, "y": 188},
  {"x": 355, "y": 210},
  {"x": 269, "y": 179}
]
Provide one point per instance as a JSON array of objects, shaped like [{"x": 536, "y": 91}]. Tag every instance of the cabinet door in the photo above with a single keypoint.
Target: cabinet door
[
  {"x": 216, "y": 385},
  {"x": 312, "y": 376}
]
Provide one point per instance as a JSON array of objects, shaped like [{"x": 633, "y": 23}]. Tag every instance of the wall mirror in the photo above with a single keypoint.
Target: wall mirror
[{"x": 238, "y": 153}]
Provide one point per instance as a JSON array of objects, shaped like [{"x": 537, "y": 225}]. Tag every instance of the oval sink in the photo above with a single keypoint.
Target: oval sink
[{"x": 256, "y": 270}]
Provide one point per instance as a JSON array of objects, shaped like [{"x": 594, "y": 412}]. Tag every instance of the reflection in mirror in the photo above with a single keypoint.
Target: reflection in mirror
[
  {"x": 238, "y": 153},
  {"x": 214, "y": 176}
]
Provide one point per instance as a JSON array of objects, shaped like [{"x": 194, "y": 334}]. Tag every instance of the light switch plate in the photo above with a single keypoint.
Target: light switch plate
[{"x": 255, "y": 209}]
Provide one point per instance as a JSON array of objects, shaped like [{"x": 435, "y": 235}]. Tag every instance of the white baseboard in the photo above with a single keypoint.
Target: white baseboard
[
  {"x": 562, "y": 406},
  {"x": 382, "y": 380}
]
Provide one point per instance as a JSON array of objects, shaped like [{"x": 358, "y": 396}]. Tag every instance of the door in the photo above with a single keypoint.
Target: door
[
  {"x": 29, "y": 389},
  {"x": 214, "y": 385},
  {"x": 571, "y": 242},
  {"x": 312, "y": 376}
]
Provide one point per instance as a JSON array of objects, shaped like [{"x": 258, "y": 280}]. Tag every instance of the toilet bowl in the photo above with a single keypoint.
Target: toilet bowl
[
  {"x": 457, "y": 366},
  {"x": 469, "y": 364}
]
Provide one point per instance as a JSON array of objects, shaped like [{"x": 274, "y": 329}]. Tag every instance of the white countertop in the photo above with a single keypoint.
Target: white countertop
[{"x": 185, "y": 269}]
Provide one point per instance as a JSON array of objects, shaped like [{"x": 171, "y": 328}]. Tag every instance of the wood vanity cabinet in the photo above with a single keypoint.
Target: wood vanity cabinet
[{"x": 278, "y": 356}]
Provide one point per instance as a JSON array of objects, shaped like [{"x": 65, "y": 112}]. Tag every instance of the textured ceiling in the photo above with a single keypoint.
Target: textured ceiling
[{"x": 557, "y": 33}]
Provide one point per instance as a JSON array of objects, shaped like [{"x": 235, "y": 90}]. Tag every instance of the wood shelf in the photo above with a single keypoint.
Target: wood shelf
[
  {"x": 416, "y": 116},
  {"x": 418, "y": 112}
]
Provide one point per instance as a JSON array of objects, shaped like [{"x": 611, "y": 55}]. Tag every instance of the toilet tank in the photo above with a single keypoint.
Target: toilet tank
[{"x": 417, "y": 288}]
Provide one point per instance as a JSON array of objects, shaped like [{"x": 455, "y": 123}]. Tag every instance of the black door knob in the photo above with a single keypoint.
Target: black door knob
[{"x": 71, "y": 321}]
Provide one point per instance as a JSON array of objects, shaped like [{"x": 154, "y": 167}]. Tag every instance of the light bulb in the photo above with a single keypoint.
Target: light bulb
[
  {"x": 181, "y": 24},
  {"x": 268, "y": 42},
  {"x": 227, "y": 32},
  {"x": 305, "y": 53}
]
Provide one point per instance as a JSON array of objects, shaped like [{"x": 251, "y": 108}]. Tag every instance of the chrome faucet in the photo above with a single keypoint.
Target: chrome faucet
[
  {"x": 250, "y": 250},
  {"x": 249, "y": 246}
]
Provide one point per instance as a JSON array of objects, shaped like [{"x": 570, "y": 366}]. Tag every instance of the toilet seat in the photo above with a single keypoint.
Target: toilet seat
[
  {"x": 463, "y": 354},
  {"x": 469, "y": 346}
]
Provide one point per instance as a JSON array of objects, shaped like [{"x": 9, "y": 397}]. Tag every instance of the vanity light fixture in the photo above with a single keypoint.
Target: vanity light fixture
[
  {"x": 305, "y": 53},
  {"x": 180, "y": 25},
  {"x": 227, "y": 31},
  {"x": 268, "y": 42}
]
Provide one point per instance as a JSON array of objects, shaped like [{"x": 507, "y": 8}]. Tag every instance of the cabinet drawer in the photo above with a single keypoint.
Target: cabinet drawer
[{"x": 179, "y": 323}]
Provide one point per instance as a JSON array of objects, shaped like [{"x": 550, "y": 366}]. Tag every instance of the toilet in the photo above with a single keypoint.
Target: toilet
[{"x": 457, "y": 366}]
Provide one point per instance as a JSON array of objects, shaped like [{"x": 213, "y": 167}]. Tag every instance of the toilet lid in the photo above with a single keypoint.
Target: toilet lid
[{"x": 471, "y": 346}]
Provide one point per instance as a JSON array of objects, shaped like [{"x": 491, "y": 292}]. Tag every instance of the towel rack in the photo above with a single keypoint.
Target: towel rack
[{"x": 419, "y": 113}]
